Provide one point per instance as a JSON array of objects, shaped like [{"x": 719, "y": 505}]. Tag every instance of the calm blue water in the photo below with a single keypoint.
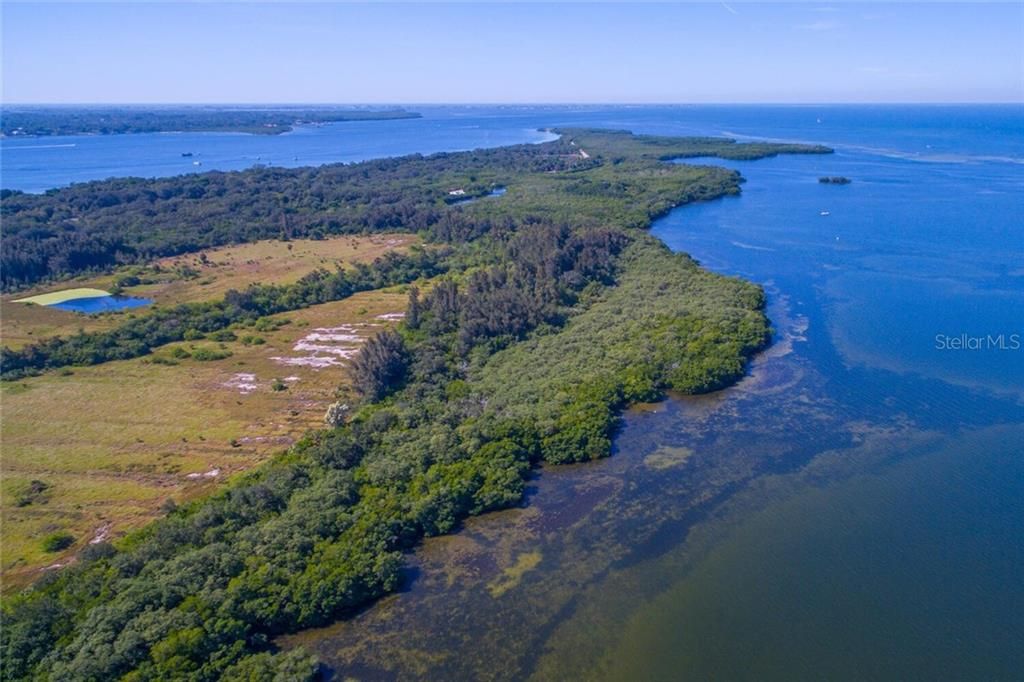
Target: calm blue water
[
  {"x": 38, "y": 164},
  {"x": 910, "y": 256},
  {"x": 102, "y": 304},
  {"x": 853, "y": 510},
  {"x": 929, "y": 134},
  {"x": 897, "y": 556}
]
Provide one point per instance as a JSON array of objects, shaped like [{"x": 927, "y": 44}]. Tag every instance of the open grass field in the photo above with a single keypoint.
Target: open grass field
[
  {"x": 266, "y": 262},
  {"x": 23, "y": 323},
  {"x": 111, "y": 443},
  {"x": 201, "y": 276}
]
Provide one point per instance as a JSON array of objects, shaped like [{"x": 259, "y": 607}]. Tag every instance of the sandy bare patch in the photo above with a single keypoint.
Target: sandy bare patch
[
  {"x": 331, "y": 346},
  {"x": 102, "y": 534},
  {"x": 212, "y": 473},
  {"x": 243, "y": 382}
]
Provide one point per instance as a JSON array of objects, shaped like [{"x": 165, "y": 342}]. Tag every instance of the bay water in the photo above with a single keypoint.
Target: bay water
[{"x": 853, "y": 509}]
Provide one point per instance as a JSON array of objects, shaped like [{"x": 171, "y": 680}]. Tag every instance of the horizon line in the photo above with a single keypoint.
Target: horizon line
[{"x": 525, "y": 104}]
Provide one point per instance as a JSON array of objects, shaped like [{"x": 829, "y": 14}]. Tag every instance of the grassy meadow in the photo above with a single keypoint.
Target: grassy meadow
[
  {"x": 95, "y": 451},
  {"x": 201, "y": 276},
  {"x": 265, "y": 262}
]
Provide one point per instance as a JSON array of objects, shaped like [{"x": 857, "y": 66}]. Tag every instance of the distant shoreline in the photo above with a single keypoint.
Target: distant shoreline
[{"x": 51, "y": 121}]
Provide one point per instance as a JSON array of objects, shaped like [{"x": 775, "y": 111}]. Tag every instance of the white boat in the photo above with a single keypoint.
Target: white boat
[{"x": 824, "y": 213}]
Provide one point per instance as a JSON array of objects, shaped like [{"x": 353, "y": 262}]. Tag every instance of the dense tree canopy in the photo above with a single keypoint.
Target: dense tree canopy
[{"x": 97, "y": 225}]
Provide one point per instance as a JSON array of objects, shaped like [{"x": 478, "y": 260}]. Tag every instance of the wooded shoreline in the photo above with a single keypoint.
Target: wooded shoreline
[{"x": 548, "y": 310}]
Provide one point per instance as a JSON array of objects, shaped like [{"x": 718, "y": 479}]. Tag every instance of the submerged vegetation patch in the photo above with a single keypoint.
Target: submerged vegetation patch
[
  {"x": 512, "y": 575},
  {"x": 668, "y": 457}
]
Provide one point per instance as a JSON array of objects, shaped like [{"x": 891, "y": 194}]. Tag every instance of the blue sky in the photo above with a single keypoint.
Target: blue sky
[{"x": 529, "y": 52}]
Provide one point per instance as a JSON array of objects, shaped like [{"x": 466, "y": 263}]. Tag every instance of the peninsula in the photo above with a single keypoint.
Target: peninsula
[{"x": 529, "y": 320}]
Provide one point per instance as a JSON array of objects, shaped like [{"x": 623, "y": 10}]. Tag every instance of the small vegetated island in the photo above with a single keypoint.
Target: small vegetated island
[
  {"x": 532, "y": 319},
  {"x": 42, "y": 121}
]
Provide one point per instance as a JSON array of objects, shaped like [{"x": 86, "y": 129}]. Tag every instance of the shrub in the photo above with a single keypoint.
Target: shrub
[
  {"x": 206, "y": 354},
  {"x": 55, "y": 542},
  {"x": 267, "y": 324},
  {"x": 161, "y": 360},
  {"x": 336, "y": 413},
  {"x": 34, "y": 493}
]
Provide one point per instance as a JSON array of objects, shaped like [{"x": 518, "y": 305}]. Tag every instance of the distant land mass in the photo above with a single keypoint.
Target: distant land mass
[{"x": 111, "y": 120}]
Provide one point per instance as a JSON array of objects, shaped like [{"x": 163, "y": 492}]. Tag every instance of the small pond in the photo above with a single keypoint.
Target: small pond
[{"x": 102, "y": 304}]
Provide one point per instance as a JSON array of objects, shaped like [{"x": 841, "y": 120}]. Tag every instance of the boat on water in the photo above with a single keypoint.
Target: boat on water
[
  {"x": 824, "y": 213},
  {"x": 197, "y": 163},
  {"x": 186, "y": 154}
]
